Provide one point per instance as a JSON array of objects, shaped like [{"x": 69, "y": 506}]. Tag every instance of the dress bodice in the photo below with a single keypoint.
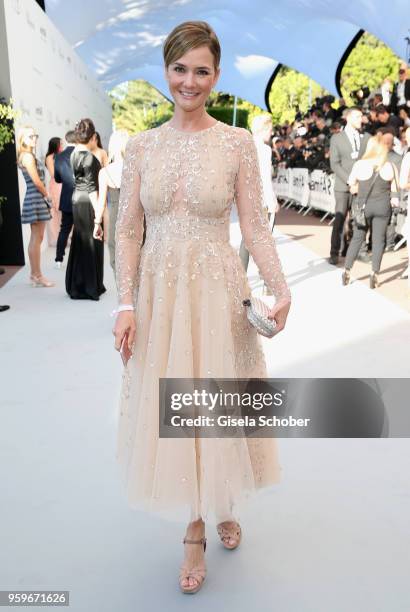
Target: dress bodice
[
  {"x": 186, "y": 184},
  {"x": 27, "y": 177}
]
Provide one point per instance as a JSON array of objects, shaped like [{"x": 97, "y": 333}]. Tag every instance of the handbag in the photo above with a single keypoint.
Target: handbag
[
  {"x": 257, "y": 312},
  {"x": 359, "y": 205}
]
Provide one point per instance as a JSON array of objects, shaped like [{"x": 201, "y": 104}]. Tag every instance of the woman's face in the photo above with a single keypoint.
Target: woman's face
[
  {"x": 191, "y": 78},
  {"x": 30, "y": 139}
]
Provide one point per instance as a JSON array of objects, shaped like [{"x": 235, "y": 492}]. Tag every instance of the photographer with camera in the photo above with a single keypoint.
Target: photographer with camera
[
  {"x": 385, "y": 119},
  {"x": 404, "y": 114},
  {"x": 296, "y": 158}
]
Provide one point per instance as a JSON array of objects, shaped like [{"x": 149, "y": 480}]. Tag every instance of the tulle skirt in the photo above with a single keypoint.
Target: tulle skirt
[{"x": 190, "y": 324}]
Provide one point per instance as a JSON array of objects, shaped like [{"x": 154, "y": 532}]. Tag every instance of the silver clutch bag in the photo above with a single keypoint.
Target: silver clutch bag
[{"x": 257, "y": 312}]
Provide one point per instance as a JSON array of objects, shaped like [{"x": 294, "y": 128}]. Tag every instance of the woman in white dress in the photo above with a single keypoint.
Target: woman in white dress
[
  {"x": 109, "y": 183},
  {"x": 180, "y": 300},
  {"x": 261, "y": 129}
]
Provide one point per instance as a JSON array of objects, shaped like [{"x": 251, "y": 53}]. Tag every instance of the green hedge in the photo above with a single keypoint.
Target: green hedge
[{"x": 225, "y": 114}]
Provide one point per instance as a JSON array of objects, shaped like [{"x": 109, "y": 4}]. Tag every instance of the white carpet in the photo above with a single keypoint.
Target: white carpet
[{"x": 334, "y": 536}]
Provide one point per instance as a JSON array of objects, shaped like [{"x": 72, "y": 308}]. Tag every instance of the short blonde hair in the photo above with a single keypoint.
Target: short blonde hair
[
  {"x": 21, "y": 136},
  {"x": 260, "y": 123},
  {"x": 376, "y": 151},
  {"x": 190, "y": 35},
  {"x": 117, "y": 144}
]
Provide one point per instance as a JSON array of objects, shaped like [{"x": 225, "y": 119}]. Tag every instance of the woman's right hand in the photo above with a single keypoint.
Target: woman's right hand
[
  {"x": 98, "y": 232},
  {"x": 125, "y": 323}
]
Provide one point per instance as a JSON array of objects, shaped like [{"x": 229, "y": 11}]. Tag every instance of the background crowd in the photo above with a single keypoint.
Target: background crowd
[
  {"x": 72, "y": 195},
  {"x": 371, "y": 162},
  {"x": 305, "y": 143}
]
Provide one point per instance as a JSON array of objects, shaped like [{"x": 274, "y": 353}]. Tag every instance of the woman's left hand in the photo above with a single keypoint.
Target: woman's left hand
[
  {"x": 98, "y": 232},
  {"x": 279, "y": 313}
]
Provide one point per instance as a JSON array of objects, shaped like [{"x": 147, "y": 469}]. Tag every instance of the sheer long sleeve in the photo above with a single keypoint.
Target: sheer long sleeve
[
  {"x": 253, "y": 222},
  {"x": 129, "y": 228},
  {"x": 265, "y": 165}
]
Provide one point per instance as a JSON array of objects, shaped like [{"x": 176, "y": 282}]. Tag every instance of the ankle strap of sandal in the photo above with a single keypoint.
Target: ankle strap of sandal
[{"x": 201, "y": 541}]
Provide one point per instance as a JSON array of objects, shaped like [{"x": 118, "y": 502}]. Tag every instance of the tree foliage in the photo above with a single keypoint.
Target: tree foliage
[
  {"x": 370, "y": 62},
  {"x": 292, "y": 89},
  {"x": 138, "y": 106},
  {"x": 7, "y": 116}
]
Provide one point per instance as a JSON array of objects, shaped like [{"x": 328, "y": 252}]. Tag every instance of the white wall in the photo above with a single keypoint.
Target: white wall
[{"x": 49, "y": 83}]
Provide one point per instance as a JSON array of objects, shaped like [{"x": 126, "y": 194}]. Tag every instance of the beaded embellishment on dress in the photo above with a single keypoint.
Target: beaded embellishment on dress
[{"x": 187, "y": 283}]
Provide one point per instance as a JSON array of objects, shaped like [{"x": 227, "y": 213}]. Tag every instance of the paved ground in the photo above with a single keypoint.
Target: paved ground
[
  {"x": 311, "y": 233},
  {"x": 333, "y": 536}
]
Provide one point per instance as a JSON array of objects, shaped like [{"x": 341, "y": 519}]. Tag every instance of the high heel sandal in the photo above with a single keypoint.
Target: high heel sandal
[
  {"x": 198, "y": 572},
  {"x": 40, "y": 281},
  {"x": 230, "y": 533},
  {"x": 373, "y": 281}
]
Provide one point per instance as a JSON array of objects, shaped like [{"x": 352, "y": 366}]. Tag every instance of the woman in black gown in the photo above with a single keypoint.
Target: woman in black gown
[{"x": 85, "y": 267}]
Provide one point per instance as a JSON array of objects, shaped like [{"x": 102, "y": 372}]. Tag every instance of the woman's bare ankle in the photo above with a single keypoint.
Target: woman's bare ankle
[{"x": 197, "y": 527}]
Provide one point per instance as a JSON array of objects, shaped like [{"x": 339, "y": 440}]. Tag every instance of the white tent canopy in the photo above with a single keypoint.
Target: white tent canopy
[{"x": 122, "y": 40}]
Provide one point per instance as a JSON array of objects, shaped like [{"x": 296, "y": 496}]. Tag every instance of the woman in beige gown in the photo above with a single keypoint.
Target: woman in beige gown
[{"x": 180, "y": 299}]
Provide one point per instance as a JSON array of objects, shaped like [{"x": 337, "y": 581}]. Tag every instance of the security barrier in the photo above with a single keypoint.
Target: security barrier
[{"x": 312, "y": 190}]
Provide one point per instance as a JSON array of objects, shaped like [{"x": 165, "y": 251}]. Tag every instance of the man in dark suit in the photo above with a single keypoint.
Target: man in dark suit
[
  {"x": 345, "y": 148},
  {"x": 401, "y": 91},
  {"x": 63, "y": 173}
]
